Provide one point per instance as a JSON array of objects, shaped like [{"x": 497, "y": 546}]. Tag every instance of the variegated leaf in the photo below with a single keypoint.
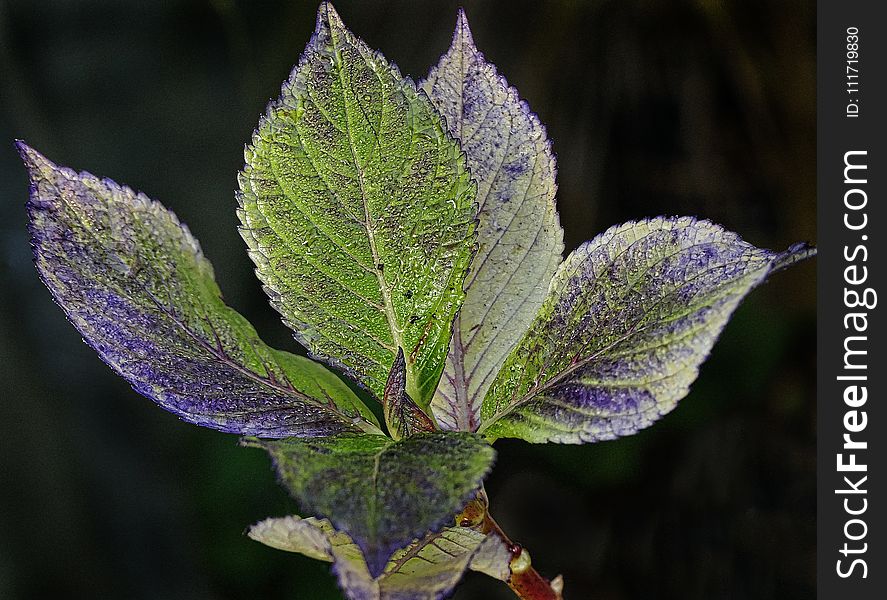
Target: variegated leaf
[
  {"x": 383, "y": 493},
  {"x": 403, "y": 416},
  {"x": 629, "y": 318},
  {"x": 135, "y": 284},
  {"x": 519, "y": 238},
  {"x": 427, "y": 569},
  {"x": 359, "y": 213}
]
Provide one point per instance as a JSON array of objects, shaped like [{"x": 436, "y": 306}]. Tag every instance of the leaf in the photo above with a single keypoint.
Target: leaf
[
  {"x": 428, "y": 569},
  {"x": 519, "y": 238},
  {"x": 402, "y": 415},
  {"x": 359, "y": 213},
  {"x": 317, "y": 539},
  {"x": 629, "y": 318},
  {"x": 492, "y": 558},
  {"x": 135, "y": 284},
  {"x": 380, "y": 492},
  {"x": 310, "y": 537}
]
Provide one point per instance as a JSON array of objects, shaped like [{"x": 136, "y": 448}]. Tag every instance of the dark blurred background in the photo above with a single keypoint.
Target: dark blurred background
[{"x": 683, "y": 107}]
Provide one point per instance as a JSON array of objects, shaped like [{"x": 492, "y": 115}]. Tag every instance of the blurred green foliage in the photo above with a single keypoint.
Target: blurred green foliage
[{"x": 680, "y": 107}]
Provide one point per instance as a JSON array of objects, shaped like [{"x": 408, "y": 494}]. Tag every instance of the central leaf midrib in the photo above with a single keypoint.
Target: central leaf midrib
[
  {"x": 464, "y": 411},
  {"x": 373, "y": 504},
  {"x": 390, "y": 315}
]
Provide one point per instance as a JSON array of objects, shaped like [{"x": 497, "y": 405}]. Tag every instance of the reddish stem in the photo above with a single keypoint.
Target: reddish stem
[{"x": 524, "y": 580}]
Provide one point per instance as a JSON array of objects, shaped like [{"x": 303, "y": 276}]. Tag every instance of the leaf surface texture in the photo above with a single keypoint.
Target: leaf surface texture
[
  {"x": 629, "y": 318},
  {"x": 359, "y": 213},
  {"x": 136, "y": 285},
  {"x": 427, "y": 569},
  {"x": 383, "y": 493},
  {"x": 520, "y": 240}
]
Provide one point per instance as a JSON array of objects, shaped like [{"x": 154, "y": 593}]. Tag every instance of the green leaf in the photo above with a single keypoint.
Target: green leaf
[
  {"x": 318, "y": 539},
  {"x": 402, "y": 415},
  {"x": 427, "y": 569},
  {"x": 519, "y": 238},
  {"x": 135, "y": 284},
  {"x": 629, "y": 318},
  {"x": 359, "y": 213},
  {"x": 383, "y": 493},
  {"x": 312, "y": 537}
]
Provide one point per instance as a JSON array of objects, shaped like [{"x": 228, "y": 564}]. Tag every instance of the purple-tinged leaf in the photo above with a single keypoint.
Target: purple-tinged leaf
[
  {"x": 519, "y": 238},
  {"x": 629, "y": 318},
  {"x": 427, "y": 569},
  {"x": 402, "y": 415},
  {"x": 383, "y": 493},
  {"x": 135, "y": 284}
]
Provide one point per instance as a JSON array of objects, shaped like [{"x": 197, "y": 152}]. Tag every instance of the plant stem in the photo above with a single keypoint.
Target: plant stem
[{"x": 524, "y": 580}]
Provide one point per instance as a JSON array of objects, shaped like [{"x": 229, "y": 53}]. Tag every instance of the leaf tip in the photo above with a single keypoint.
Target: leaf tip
[
  {"x": 253, "y": 442},
  {"x": 376, "y": 561},
  {"x": 328, "y": 19},
  {"x": 462, "y": 36},
  {"x": 400, "y": 362},
  {"x": 795, "y": 253},
  {"x": 21, "y": 146},
  {"x": 34, "y": 161}
]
